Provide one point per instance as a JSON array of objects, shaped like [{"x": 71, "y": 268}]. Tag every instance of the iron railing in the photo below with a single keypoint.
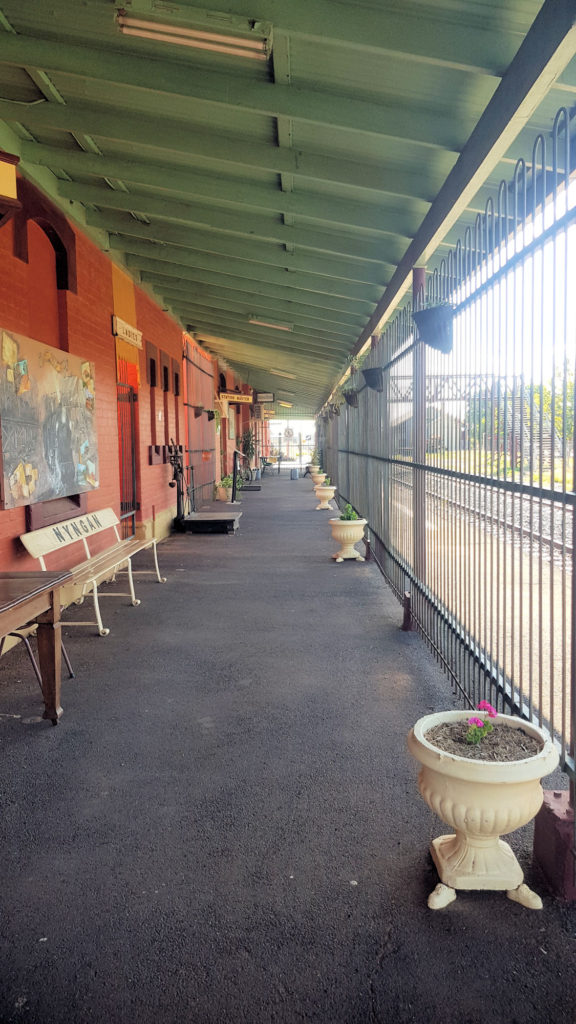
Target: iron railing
[{"x": 464, "y": 464}]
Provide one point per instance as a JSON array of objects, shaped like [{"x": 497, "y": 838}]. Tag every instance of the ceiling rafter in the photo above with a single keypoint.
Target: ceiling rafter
[
  {"x": 424, "y": 128},
  {"x": 384, "y": 217},
  {"x": 237, "y": 272},
  {"x": 321, "y": 341},
  {"x": 268, "y": 295},
  {"x": 251, "y": 225},
  {"x": 308, "y": 317},
  {"x": 270, "y": 254},
  {"x": 170, "y": 135}
]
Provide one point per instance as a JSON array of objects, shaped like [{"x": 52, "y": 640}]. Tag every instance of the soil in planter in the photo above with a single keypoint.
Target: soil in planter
[{"x": 502, "y": 744}]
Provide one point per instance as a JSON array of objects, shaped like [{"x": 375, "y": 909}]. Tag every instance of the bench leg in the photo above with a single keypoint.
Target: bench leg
[
  {"x": 135, "y": 600},
  {"x": 67, "y": 660},
  {"x": 101, "y": 629},
  {"x": 161, "y": 579},
  {"x": 50, "y": 657}
]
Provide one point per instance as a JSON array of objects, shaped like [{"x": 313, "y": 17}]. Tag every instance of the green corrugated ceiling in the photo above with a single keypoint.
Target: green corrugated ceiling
[{"x": 297, "y": 188}]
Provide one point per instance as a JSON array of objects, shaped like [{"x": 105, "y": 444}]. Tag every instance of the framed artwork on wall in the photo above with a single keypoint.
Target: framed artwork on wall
[{"x": 48, "y": 442}]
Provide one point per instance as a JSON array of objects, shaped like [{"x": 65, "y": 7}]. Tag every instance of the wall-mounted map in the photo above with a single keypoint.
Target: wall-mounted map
[{"x": 47, "y": 422}]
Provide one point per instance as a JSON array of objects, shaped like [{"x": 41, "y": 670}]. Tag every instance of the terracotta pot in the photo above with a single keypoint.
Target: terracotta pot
[
  {"x": 324, "y": 493},
  {"x": 318, "y": 478},
  {"x": 481, "y": 800},
  {"x": 347, "y": 533}
]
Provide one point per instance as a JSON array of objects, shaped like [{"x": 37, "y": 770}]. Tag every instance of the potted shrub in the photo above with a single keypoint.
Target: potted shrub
[
  {"x": 324, "y": 493},
  {"x": 347, "y": 531},
  {"x": 318, "y": 477},
  {"x": 224, "y": 488},
  {"x": 480, "y": 774},
  {"x": 314, "y": 463}
]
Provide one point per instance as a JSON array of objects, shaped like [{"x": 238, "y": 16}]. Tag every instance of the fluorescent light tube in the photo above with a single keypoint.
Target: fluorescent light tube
[
  {"x": 214, "y": 42},
  {"x": 282, "y": 373},
  {"x": 276, "y": 325}
]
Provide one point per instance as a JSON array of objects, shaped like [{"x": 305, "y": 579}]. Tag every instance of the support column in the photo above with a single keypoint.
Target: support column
[{"x": 419, "y": 445}]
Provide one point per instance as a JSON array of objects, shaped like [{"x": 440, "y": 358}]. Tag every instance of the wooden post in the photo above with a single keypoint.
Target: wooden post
[{"x": 50, "y": 657}]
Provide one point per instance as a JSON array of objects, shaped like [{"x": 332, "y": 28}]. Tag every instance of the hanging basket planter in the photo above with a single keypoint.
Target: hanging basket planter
[{"x": 435, "y": 327}]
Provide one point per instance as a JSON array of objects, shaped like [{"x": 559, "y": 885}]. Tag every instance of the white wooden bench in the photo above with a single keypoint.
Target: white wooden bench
[{"x": 94, "y": 568}]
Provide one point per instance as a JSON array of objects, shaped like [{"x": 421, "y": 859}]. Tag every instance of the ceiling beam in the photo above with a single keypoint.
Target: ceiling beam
[
  {"x": 400, "y": 217},
  {"x": 333, "y": 357},
  {"x": 546, "y": 50},
  {"x": 307, "y": 367},
  {"x": 218, "y": 242},
  {"x": 245, "y": 310},
  {"x": 312, "y": 285},
  {"x": 170, "y": 135},
  {"x": 322, "y": 340},
  {"x": 408, "y": 31},
  {"x": 250, "y": 225},
  {"x": 309, "y": 317},
  {"x": 276, "y": 295},
  {"x": 121, "y": 68}
]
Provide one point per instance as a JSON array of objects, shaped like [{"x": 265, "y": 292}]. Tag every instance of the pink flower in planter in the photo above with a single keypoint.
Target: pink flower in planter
[
  {"x": 477, "y": 722},
  {"x": 484, "y": 705}
]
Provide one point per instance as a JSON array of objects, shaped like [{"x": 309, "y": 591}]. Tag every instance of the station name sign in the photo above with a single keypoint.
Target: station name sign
[
  {"x": 126, "y": 332},
  {"x": 235, "y": 396}
]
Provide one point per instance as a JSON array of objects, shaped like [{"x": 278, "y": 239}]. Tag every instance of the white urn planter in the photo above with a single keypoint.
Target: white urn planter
[
  {"x": 480, "y": 800},
  {"x": 347, "y": 533},
  {"x": 318, "y": 478},
  {"x": 325, "y": 493}
]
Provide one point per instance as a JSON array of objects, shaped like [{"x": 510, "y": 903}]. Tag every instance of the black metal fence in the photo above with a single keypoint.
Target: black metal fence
[{"x": 463, "y": 463}]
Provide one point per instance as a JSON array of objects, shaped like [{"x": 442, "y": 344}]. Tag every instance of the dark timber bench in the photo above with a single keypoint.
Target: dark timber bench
[
  {"x": 94, "y": 568},
  {"x": 210, "y": 522}
]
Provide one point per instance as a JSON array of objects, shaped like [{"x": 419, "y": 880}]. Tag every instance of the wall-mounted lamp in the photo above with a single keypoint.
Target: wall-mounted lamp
[
  {"x": 9, "y": 202},
  {"x": 435, "y": 327}
]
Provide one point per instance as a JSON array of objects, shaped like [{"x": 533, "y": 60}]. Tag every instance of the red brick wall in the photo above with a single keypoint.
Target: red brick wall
[
  {"x": 166, "y": 336},
  {"x": 83, "y": 323}
]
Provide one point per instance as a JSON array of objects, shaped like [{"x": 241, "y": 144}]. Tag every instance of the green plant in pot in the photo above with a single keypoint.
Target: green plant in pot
[
  {"x": 324, "y": 493},
  {"x": 224, "y": 488},
  {"x": 348, "y": 514},
  {"x": 247, "y": 445},
  {"x": 347, "y": 530},
  {"x": 314, "y": 462}
]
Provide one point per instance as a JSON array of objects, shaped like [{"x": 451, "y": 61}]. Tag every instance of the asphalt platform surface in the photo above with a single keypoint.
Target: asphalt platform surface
[{"x": 225, "y": 826}]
